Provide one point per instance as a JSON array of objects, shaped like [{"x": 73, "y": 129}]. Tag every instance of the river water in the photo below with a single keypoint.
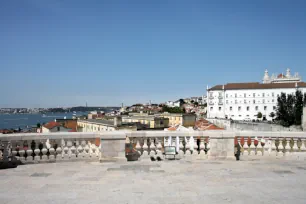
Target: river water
[{"x": 23, "y": 120}]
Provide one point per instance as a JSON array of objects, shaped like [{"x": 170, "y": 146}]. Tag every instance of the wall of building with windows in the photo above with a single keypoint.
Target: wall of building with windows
[{"x": 244, "y": 104}]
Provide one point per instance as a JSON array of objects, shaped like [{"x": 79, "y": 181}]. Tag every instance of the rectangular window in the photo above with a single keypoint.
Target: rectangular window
[
  {"x": 254, "y": 95},
  {"x": 226, "y": 101},
  {"x": 211, "y": 108},
  {"x": 226, "y": 95},
  {"x": 265, "y": 107},
  {"x": 256, "y": 108},
  {"x": 263, "y": 94},
  {"x": 248, "y": 108},
  {"x": 272, "y": 100},
  {"x": 263, "y": 100},
  {"x": 244, "y": 95},
  {"x": 231, "y": 108},
  {"x": 254, "y": 101},
  {"x": 272, "y": 94},
  {"x": 235, "y": 95},
  {"x": 235, "y": 101},
  {"x": 239, "y": 108},
  {"x": 245, "y": 101},
  {"x": 219, "y": 108},
  {"x": 274, "y": 107}
]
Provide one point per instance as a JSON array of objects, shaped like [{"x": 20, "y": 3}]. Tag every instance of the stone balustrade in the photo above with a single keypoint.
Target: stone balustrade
[
  {"x": 189, "y": 145},
  {"x": 271, "y": 143},
  {"x": 51, "y": 146}
]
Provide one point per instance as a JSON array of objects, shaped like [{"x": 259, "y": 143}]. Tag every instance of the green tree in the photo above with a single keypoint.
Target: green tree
[
  {"x": 259, "y": 115},
  {"x": 38, "y": 125},
  {"x": 298, "y": 108},
  {"x": 272, "y": 115},
  {"x": 196, "y": 103},
  {"x": 182, "y": 101},
  {"x": 304, "y": 99},
  {"x": 172, "y": 110}
]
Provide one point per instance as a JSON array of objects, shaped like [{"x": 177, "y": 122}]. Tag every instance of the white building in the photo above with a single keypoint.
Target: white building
[
  {"x": 243, "y": 101},
  {"x": 173, "y": 104}
]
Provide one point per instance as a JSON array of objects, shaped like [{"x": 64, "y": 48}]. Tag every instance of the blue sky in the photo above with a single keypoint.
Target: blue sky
[{"x": 67, "y": 53}]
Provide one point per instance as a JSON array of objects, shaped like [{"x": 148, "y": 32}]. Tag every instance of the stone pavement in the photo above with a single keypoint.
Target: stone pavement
[{"x": 179, "y": 181}]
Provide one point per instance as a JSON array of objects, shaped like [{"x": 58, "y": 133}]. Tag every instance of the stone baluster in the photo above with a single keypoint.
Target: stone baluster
[
  {"x": 52, "y": 150},
  {"x": 303, "y": 148},
  {"x": 15, "y": 151},
  {"x": 138, "y": 146},
  {"x": 181, "y": 147},
  {"x": 44, "y": 151},
  {"x": 94, "y": 150},
  {"x": 299, "y": 144},
  {"x": 191, "y": 144},
  {"x": 158, "y": 148},
  {"x": 73, "y": 150},
  {"x": 291, "y": 145},
  {"x": 295, "y": 147},
  {"x": 152, "y": 148},
  {"x": 145, "y": 148},
  {"x": 207, "y": 144},
  {"x": 30, "y": 151},
  {"x": 169, "y": 141},
  {"x": 90, "y": 148},
  {"x": 25, "y": 149},
  {"x": 202, "y": 154},
  {"x": 285, "y": 146},
  {"x": 269, "y": 146},
  {"x": 242, "y": 143},
  {"x": 277, "y": 145},
  {"x": 262, "y": 145},
  {"x": 86, "y": 148},
  {"x": 37, "y": 152},
  {"x": 58, "y": 151},
  {"x": 187, "y": 147},
  {"x": 65, "y": 150},
  {"x": 249, "y": 143},
  {"x": 80, "y": 150},
  {"x": 255, "y": 143}
]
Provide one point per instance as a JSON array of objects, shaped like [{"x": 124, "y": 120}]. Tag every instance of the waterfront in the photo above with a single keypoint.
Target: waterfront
[{"x": 14, "y": 121}]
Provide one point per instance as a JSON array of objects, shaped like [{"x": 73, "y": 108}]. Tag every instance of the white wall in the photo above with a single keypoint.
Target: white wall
[{"x": 244, "y": 98}]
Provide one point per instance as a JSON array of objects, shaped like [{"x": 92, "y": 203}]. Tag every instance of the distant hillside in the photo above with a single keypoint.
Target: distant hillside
[{"x": 81, "y": 109}]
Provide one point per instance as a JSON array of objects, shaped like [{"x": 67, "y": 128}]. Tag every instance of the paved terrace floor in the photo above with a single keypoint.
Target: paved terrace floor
[{"x": 255, "y": 181}]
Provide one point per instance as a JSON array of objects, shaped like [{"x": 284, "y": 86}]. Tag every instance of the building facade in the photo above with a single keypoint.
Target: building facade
[
  {"x": 186, "y": 120},
  {"x": 243, "y": 101},
  {"x": 149, "y": 121}
]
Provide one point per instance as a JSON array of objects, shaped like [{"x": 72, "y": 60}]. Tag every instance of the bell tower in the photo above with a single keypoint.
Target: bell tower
[{"x": 266, "y": 78}]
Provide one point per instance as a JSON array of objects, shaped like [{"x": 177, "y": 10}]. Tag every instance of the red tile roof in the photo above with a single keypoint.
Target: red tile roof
[
  {"x": 256, "y": 85},
  {"x": 203, "y": 124},
  {"x": 52, "y": 124}
]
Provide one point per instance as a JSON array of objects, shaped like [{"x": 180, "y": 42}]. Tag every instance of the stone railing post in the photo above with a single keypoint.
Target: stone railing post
[
  {"x": 113, "y": 146},
  {"x": 221, "y": 145}
]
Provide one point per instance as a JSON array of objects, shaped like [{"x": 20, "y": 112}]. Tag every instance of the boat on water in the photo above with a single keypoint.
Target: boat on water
[{"x": 44, "y": 115}]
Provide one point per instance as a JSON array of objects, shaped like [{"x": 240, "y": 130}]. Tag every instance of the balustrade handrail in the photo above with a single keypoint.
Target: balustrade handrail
[{"x": 146, "y": 134}]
